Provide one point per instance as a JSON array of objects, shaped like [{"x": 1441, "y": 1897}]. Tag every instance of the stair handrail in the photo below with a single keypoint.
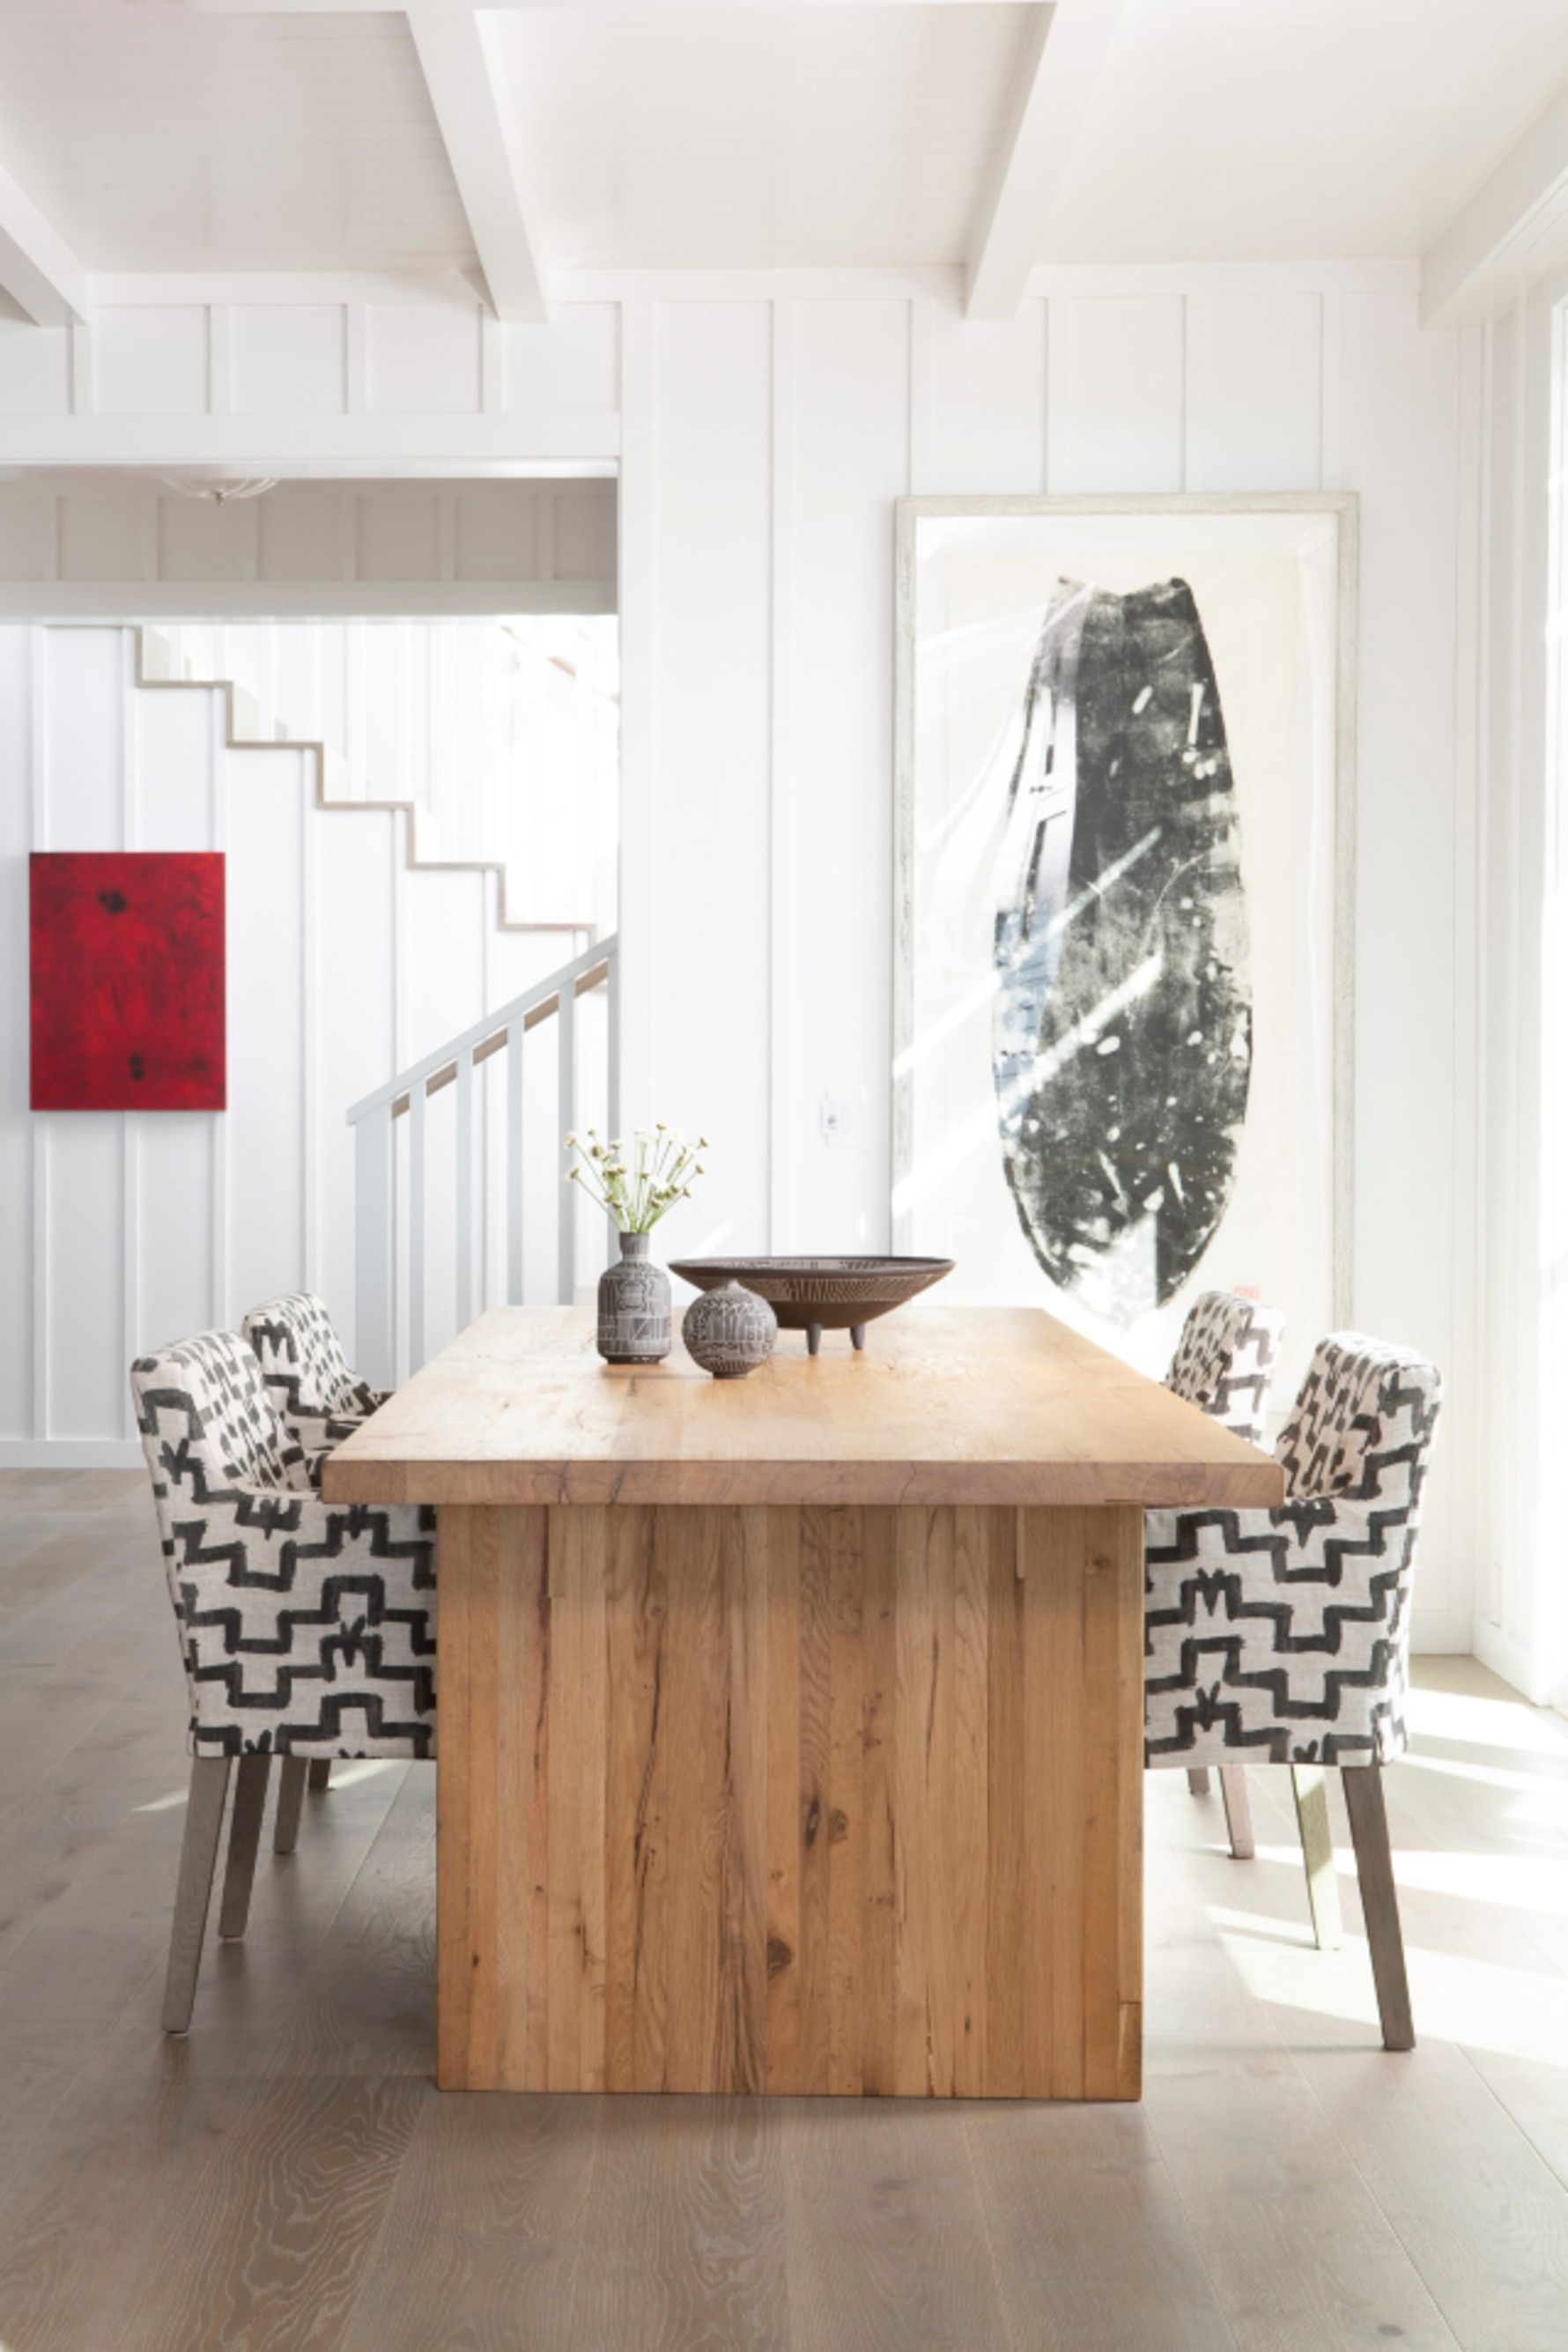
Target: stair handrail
[
  {"x": 373, "y": 1120},
  {"x": 489, "y": 1035}
]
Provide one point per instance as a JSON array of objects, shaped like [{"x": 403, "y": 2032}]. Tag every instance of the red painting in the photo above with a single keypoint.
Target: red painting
[{"x": 128, "y": 981}]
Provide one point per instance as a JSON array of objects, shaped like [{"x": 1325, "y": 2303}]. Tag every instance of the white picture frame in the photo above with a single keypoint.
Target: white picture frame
[{"x": 1305, "y": 790}]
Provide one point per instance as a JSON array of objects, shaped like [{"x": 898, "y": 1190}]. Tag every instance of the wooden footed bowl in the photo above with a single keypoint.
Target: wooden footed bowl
[{"x": 815, "y": 1295}]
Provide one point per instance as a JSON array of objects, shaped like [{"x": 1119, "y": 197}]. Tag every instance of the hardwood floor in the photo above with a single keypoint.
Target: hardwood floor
[{"x": 287, "y": 2180}]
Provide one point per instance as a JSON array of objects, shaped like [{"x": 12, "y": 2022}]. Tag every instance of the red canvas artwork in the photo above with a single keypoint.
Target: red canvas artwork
[{"x": 128, "y": 981}]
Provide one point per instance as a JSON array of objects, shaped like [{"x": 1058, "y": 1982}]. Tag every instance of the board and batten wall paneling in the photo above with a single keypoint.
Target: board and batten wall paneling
[
  {"x": 850, "y": 434},
  {"x": 1117, "y": 393},
  {"x": 309, "y": 547},
  {"x": 809, "y": 417},
  {"x": 1521, "y": 1624},
  {"x": 711, "y": 755},
  {"x": 1399, "y": 401},
  {"x": 1254, "y": 394},
  {"x": 125, "y": 1228}
]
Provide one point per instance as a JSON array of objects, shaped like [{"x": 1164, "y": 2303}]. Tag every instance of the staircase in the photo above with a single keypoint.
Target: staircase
[{"x": 496, "y": 741}]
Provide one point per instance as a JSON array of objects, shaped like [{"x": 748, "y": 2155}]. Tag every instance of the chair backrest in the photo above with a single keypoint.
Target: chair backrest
[
  {"x": 301, "y": 1356},
  {"x": 1362, "y": 1425},
  {"x": 209, "y": 1427},
  {"x": 1224, "y": 1360}
]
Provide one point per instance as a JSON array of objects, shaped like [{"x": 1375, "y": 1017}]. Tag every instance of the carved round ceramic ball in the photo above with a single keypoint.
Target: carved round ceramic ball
[{"x": 729, "y": 1331}]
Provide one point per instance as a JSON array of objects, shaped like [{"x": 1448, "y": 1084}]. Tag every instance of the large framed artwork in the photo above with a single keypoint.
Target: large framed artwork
[
  {"x": 1125, "y": 860},
  {"x": 127, "y": 1000}
]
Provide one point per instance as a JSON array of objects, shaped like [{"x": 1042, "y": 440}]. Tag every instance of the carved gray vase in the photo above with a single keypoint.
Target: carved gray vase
[
  {"x": 634, "y": 1307},
  {"x": 729, "y": 1331}
]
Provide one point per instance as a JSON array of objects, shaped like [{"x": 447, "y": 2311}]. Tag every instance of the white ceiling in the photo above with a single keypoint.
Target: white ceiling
[
  {"x": 709, "y": 135},
  {"x": 1300, "y": 130},
  {"x": 211, "y": 135},
  {"x": 164, "y": 140}
]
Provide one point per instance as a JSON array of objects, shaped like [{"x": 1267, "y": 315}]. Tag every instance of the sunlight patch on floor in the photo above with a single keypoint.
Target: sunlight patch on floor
[
  {"x": 1540, "y": 1798},
  {"x": 1525, "y": 1882},
  {"x": 1469, "y": 1718},
  {"x": 344, "y": 1776},
  {"x": 1515, "y": 2012}
]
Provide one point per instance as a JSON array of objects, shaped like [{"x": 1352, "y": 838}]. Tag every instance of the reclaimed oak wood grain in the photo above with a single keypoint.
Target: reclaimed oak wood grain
[
  {"x": 828, "y": 1800},
  {"x": 791, "y": 1728},
  {"x": 985, "y": 1404}
]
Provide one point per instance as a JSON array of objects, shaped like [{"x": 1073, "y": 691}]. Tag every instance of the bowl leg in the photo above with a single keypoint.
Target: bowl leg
[
  {"x": 813, "y": 1338},
  {"x": 858, "y": 1335}
]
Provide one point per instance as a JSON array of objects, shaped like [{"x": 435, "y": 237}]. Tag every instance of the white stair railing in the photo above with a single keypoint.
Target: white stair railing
[{"x": 394, "y": 1237}]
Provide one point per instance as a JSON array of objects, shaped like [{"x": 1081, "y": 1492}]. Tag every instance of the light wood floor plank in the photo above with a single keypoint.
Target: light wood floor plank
[
  {"x": 888, "y": 2245},
  {"x": 1090, "y": 2244},
  {"x": 287, "y": 2180},
  {"x": 484, "y": 2232},
  {"x": 1298, "y": 2251},
  {"x": 684, "y": 2236}
]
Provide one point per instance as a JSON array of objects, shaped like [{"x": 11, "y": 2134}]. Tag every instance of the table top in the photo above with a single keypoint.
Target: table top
[{"x": 945, "y": 1405}]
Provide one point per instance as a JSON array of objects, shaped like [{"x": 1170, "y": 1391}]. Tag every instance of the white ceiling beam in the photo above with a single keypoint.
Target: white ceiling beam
[
  {"x": 1065, "y": 50},
  {"x": 465, "y": 72},
  {"x": 1513, "y": 229},
  {"x": 430, "y": 7},
  {"x": 38, "y": 268}
]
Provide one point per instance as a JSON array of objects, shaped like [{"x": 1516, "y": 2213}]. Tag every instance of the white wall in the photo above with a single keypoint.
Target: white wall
[
  {"x": 765, "y": 431},
  {"x": 98, "y": 546},
  {"x": 1521, "y": 1141},
  {"x": 772, "y": 441},
  {"x": 123, "y": 1229}
]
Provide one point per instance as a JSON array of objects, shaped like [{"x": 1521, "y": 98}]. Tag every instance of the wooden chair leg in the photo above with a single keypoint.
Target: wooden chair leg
[
  {"x": 291, "y": 1798},
  {"x": 1237, "y": 1811},
  {"x": 1198, "y": 1780},
  {"x": 198, "y": 1860},
  {"x": 1379, "y": 1900},
  {"x": 1309, "y": 1784},
  {"x": 243, "y": 1837},
  {"x": 320, "y": 1773}
]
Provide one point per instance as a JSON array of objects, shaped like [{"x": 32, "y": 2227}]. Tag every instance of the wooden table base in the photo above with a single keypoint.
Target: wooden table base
[{"x": 826, "y": 1799}]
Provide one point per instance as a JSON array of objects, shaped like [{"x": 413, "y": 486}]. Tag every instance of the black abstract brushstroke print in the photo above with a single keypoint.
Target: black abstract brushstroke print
[{"x": 1122, "y": 1042}]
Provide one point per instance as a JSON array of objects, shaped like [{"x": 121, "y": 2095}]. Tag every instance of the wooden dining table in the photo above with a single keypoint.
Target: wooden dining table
[{"x": 790, "y": 1728}]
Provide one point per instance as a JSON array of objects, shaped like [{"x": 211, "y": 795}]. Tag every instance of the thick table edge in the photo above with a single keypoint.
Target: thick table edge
[{"x": 523, "y": 1484}]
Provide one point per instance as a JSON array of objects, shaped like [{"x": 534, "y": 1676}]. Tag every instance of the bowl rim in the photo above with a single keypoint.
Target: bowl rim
[{"x": 864, "y": 1263}]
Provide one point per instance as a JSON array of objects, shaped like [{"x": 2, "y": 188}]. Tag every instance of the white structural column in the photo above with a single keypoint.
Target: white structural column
[
  {"x": 38, "y": 268},
  {"x": 1515, "y": 228},
  {"x": 458, "y": 52},
  {"x": 1064, "y": 51}
]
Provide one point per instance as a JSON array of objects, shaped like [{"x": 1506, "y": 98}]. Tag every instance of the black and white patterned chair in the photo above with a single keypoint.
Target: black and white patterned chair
[
  {"x": 1283, "y": 1637},
  {"x": 307, "y": 1630},
  {"x": 1224, "y": 1364},
  {"x": 1224, "y": 1360},
  {"x": 308, "y": 1378},
  {"x": 307, "y": 1372}
]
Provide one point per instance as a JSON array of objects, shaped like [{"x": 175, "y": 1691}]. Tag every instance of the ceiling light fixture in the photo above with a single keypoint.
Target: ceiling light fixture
[{"x": 219, "y": 493}]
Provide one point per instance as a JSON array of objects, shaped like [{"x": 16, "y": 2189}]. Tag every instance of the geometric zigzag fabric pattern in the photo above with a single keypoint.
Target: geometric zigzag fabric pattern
[
  {"x": 1225, "y": 1361},
  {"x": 306, "y": 1371},
  {"x": 1282, "y": 1636},
  {"x": 305, "y": 1629}
]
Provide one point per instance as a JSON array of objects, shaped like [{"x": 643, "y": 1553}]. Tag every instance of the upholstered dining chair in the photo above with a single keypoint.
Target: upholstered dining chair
[
  {"x": 309, "y": 1380},
  {"x": 307, "y": 1630},
  {"x": 1283, "y": 1635},
  {"x": 1225, "y": 1357},
  {"x": 1224, "y": 1364},
  {"x": 307, "y": 1372}
]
